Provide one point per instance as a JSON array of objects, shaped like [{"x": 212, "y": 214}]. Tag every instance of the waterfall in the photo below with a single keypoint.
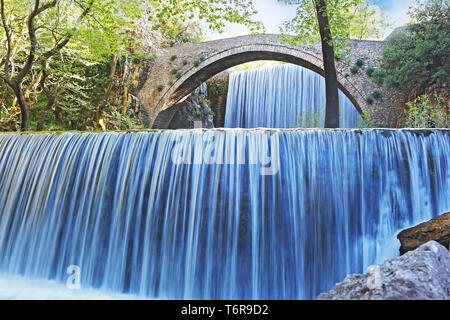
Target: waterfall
[
  {"x": 281, "y": 96},
  {"x": 214, "y": 214}
]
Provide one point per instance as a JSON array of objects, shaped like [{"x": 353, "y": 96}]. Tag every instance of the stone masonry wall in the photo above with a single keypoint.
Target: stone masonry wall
[{"x": 177, "y": 71}]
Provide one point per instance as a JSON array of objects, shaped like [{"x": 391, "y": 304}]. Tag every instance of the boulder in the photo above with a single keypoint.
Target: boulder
[
  {"x": 422, "y": 274},
  {"x": 437, "y": 229}
]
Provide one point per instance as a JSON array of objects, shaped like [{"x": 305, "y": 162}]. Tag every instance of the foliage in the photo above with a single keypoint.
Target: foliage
[
  {"x": 196, "y": 63},
  {"x": 427, "y": 112},
  {"x": 368, "y": 22},
  {"x": 310, "y": 119},
  {"x": 160, "y": 87},
  {"x": 198, "y": 109},
  {"x": 370, "y": 71},
  {"x": 214, "y": 13},
  {"x": 359, "y": 62},
  {"x": 96, "y": 61},
  {"x": 354, "y": 69},
  {"x": 216, "y": 89},
  {"x": 378, "y": 76},
  {"x": 173, "y": 57},
  {"x": 305, "y": 27},
  {"x": 419, "y": 59},
  {"x": 256, "y": 64},
  {"x": 369, "y": 99},
  {"x": 376, "y": 94},
  {"x": 365, "y": 121}
]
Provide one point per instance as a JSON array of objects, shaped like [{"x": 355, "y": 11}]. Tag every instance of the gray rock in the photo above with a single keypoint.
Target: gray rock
[
  {"x": 194, "y": 112},
  {"x": 422, "y": 274}
]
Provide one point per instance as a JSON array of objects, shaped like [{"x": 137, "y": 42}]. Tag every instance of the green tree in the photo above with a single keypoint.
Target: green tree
[
  {"x": 326, "y": 21},
  {"x": 419, "y": 59},
  {"x": 41, "y": 36},
  {"x": 215, "y": 13},
  {"x": 368, "y": 22},
  {"x": 50, "y": 27}
]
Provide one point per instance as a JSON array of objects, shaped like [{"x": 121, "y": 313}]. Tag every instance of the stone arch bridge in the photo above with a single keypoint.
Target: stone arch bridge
[{"x": 176, "y": 71}]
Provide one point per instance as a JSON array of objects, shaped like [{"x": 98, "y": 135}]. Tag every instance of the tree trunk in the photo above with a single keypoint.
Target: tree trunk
[
  {"x": 23, "y": 106},
  {"x": 332, "y": 97},
  {"x": 51, "y": 101}
]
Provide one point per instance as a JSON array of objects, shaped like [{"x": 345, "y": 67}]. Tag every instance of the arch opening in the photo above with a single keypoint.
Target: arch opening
[{"x": 196, "y": 76}]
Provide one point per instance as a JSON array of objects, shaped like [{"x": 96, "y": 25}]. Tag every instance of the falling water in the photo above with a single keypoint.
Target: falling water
[
  {"x": 215, "y": 214},
  {"x": 281, "y": 96}
]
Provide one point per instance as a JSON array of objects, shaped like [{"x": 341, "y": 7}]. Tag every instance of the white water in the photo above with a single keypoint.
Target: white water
[
  {"x": 214, "y": 214},
  {"x": 282, "y": 96}
]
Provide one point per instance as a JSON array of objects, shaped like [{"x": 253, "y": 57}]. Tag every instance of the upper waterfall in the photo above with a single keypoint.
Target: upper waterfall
[{"x": 281, "y": 96}]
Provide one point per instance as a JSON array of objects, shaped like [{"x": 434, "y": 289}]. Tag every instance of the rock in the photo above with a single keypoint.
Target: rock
[
  {"x": 422, "y": 274},
  {"x": 437, "y": 229},
  {"x": 193, "y": 112}
]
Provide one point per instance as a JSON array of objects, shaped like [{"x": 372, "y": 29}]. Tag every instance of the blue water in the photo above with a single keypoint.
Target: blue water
[
  {"x": 214, "y": 214},
  {"x": 282, "y": 96}
]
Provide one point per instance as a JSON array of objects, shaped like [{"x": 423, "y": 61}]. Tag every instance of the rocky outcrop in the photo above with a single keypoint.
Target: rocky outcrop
[
  {"x": 217, "y": 96},
  {"x": 437, "y": 229},
  {"x": 422, "y": 274},
  {"x": 194, "y": 112}
]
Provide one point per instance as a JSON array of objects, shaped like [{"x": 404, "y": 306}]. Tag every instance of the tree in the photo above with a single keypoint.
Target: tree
[
  {"x": 15, "y": 78},
  {"x": 215, "y": 13},
  {"x": 419, "y": 59},
  {"x": 33, "y": 56},
  {"x": 368, "y": 22},
  {"x": 327, "y": 21}
]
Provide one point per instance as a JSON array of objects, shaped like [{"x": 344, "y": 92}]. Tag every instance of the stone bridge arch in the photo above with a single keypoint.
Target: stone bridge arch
[{"x": 164, "y": 88}]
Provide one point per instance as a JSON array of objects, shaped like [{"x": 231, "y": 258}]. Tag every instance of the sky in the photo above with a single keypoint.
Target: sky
[{"x": 273, "y": 13}]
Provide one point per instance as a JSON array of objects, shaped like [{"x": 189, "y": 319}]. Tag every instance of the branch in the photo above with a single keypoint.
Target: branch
[
  {"x": 6, "y": 80},
  {"x": 8, "y": 38},
  {"x": 32, "y": 34},
  {"x": 64, "y": 42}
]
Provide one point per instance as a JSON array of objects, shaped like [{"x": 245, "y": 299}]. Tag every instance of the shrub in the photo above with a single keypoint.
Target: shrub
[
  {"x": 369, "y": 99},
  {"x": 370, "y": 71},
  {"x": 160, "y": 87},
  {"x": 425, "y": 112},
  {"x": 173, "y": 57},
  {"x": 364, "y": 120},
  {"x": 376, "y": 94},
  {"x": 196, "y": 63},
  {"x": 201, "y": 57},
  {"x": 185, "y": 62},
  {"x": 378, "y": 77},
  {"x": 418, "y": 58},
  {"x": 178, "y": 75},
  {"x": 347, "y": 75},
  {"x": 354, "y": 70},
  {"x": 360, "y": 62},
  {"x": 170, "y": 82},
  {"x": 390, "y": 81},
  {"x": 173, "y": 71}
]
